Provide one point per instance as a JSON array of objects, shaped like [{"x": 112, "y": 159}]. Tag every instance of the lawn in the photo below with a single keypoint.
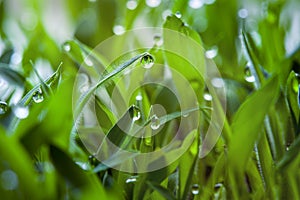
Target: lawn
[{"x": 149, "y": 99}]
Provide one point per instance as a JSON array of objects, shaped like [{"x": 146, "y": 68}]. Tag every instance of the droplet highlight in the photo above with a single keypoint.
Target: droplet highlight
[
  {"x": 178, "y": 14},
  {"x": 131, "y": 180},
  {"x": 195, "y": 189},
  {"x": 207, "y": 97},
  {"x": 67, "y": 47}
]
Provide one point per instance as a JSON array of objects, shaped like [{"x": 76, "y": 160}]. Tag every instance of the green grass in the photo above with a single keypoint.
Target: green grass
[{"x": 45, "y": 140}]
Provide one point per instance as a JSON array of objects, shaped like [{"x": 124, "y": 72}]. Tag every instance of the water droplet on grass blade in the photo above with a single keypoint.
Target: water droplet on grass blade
[
  {"x": 195, "y": 189},
  {"x": 213, "y": 52},
  {"x": 155, "y": 123},
  {"x": 21, "y": 112},
  {"x": 139, "y": 97},
  {"x": 118, "y": 29},
  {"x": 153, "y": 3},
  {"x": 67, "y": 47},
  {"x": 3, "y": 107},
  {"x": 158, "y": 41},
  {"x": 207, "y": 97},
  {"x": 248, "y": 76},
  {"x": 38, "y": 96},
  {"x": 136, "y": 115},
  {"x": 178, "y": 14},
  {"x": 243, "y": 13},
  {"x": 147, "y": 61},
  {"x": 131, "y": 4},
  {"x": 195, "y": 4}
]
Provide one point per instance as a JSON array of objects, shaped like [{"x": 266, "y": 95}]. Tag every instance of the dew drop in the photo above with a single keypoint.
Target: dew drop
[
  {"x": 131, "y": 4},
  {"x": 243, "y": 13},
  {"x": 67, "y": 47},
  {"x": 136, "y": 115},
  {"x": 88, "y": 62},
  {"x": 9, "y": 180},
  {"x": 248, "y": 76},
  {"x": 155, "y": 123},
  {"x": 178, "y": 14},
  {"x": 213, "y": 52},
  {"x": 195, "y": 4},
  {"x": 148, "y": 141},
  {"x": 147, "y": 61},
  {"x": 218, "y": 185},
  {"x": 21, "y": 112},
  {"x": 38, "y": 96},
  {"x": 158, "y": 41},
  {"x": 217, "y": 82},
  {"x": 130, "y": 180},
  {"x": 207, "y": 97},
  {"x": 118, "y": 29},
  {"x": 153, "y": 3},
  {"x": 3, "y": 107},
  {"x": 139, "y": 97},
  {"x": 195, "y": 189}
]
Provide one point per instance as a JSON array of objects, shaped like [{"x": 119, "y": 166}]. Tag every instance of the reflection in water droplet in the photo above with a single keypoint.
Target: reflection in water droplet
[
  {"x": 153, "y": 3},
  {"x": 130, "y": 180},
  {"x": 3, "y": 107},
  {"x": 155, "y": 123},
  {"x": 248, "y": 76},
  {"x": 178, "y": 14},
  {"x": 67, "y": 47},
  {"x": 158, "y": 41},
  {"x": 21, "y": 112},
  {"x": 9, "y": 180},
  {"x": 195, "y": 189},
  {"x": 136, "y": 115},
  {"x": 195, "y": 4},
  {"x": 131, "y": 4},
  {"x": 148, "y": 141},
  {"x": 118, "y": 29},
  {"x": 38, "y": 96},
  {"x": 243, "y": 13},
  {"x": 211, "y": 53},
  {"x": 147, "y": 61},
  {"x": 207, "y": 97}
]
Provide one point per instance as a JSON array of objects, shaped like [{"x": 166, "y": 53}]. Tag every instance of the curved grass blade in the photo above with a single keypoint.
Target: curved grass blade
[
  {"x": 85, "y": 97},
  {"x": 49, "y": 81}
]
